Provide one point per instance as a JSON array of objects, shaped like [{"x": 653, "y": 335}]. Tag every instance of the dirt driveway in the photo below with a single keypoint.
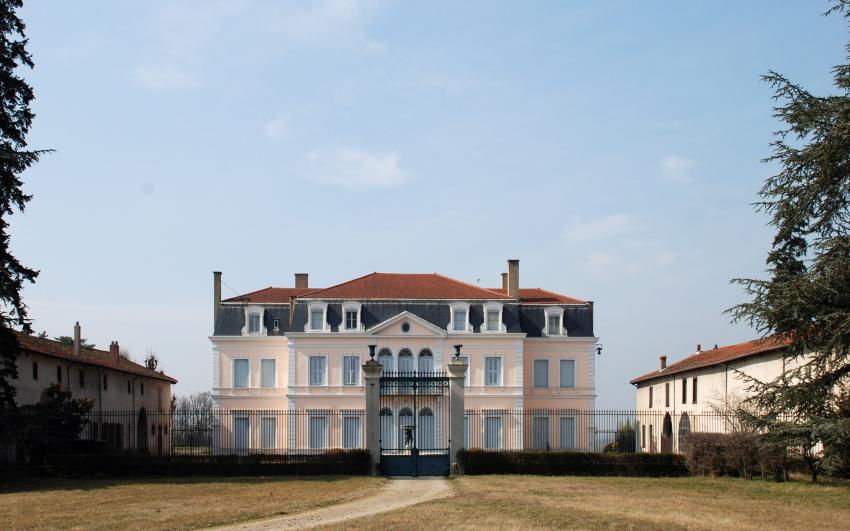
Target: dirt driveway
[{"x": 398, "y": 493}]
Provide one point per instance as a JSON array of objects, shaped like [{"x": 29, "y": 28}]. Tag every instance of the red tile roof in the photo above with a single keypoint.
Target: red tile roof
[
  {"x": 91, "y": 356},
  {"x": 542, "y": 296},
  {"x": 271, "y": 295},
  {"x": 716, "y": 356},
  {"x": 400, "y": 286}
]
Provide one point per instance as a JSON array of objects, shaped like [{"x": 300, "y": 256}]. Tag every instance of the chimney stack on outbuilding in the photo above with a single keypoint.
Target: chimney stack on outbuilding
[
  {"x": 699, "y": 348},
  {"x": 513, "y": 278},
  {"x": 216, "y": 294},
  {"x": 663, "y": 362},
  {"x": 301, "y": 280},
  {"x": 77, "y": 341},
  {"x": 505, "y": 282},
  {"x": 114, "y": 352}
]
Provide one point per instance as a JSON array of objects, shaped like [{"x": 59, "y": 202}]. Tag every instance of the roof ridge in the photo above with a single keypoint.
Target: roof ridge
[
  {"x": 340, "y": 284},
  {"x": 472, "y": 285}
]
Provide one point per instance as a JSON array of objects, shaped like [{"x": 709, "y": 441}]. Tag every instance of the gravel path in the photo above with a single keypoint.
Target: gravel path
[{"x": 396, "y": 494}]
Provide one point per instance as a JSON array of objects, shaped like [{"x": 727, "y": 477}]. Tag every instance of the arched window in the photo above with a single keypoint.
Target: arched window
[
  {"x": 426, "y": 428},
  {"x": 405, "y": 418},
  {"x": 385, "y": 358},
  {"x": 387, "y": 428},
  {"x": 667, "y": 434},
  {"x": 426, "y": 361},
  {"x": 684, "y": 430},
  {"x": 405, "y": 360}
]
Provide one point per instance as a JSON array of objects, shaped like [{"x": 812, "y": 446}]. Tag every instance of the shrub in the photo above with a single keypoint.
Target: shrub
[
  {"x": 741, "y": 454},
  {"x": 625, "y": 439},
  {"x": 475, "y": 462}
]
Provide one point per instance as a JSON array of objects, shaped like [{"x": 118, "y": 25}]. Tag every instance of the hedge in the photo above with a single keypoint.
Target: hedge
[
  {"x": 476, "y": 462},
  {"x": 740, "y": 454},
  {"x": 336, "y": 462}
]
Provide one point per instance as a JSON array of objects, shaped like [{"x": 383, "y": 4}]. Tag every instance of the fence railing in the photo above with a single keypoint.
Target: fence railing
[{"x": 305, "y": 432}]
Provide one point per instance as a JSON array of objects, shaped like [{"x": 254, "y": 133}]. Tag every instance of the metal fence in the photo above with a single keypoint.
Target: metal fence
[{"x": 304, "y": 432}]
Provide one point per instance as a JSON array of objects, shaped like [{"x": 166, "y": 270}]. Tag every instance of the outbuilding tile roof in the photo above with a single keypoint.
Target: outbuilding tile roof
[
  {"x": 101, "y": 358},
  {"x": 716, "y": 356},
  {"x": 406, "y": 286},
  {"x": 541, "y": 296}
]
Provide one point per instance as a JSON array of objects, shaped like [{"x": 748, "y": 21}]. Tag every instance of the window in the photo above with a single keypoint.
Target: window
[
  {"x": 318, "y": 431},
  {"x": 568, "y": 373},
  {"x": 276, "y": 325},
  {"x": 105, "y": 383},
  {"x": 667, "y": 394},
  {"x": 254, "y": 323},
  {"x": 387, "y": 428},
  {"x": 426, "y": 428},
  {"x": 59, "y": 374},
  {"x": 35, "y": 370},
  {"x": 492, "y": 432},
  {"x": 317, "y": 317},
  {"x": 405, "y": 360},
  {"x": 351, "y": 320},
  {"x": 684, "y": 390},
  {"x": 650, "y": 397},
  {"x": 241, "y": 432},
  {"x": 459, "y": 320},
  {"x": 426, "y": 361},
  {"x": 694, "y": 390},
  {"x": 142, "y": 388},
  {"x": 129, "y": 387},
  {"x": 385, "y": 358},
  {"x": 643, "y": 436},
  {"x": 540, "y": 433},
  {"x": 268, "y": 370},
  {"x": 567, "y": 433},
  {"x": 240, "y": 373},
  {"x": 268, "y": 433},
  {"x": 318, "y": 370},
  {"x": 82, "y": 379},
  {"x": 350, "y": 370},
  {"x": 351, "y": 431},
  {"x": 493, "y": 371},
  {"x": 405, "y": 418},
  {"x": 493, "y": 320},
  {"x": 541, "y": 374},
  {"x": 554, "y": 325}
]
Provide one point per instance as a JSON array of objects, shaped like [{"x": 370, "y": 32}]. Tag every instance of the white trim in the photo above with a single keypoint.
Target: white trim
[
  {"x": 550, "y": 312},
  {"x": 254, "y": 309},
  {"x": 356, "y": 307},
  {"x": 310, "y": 370},
  {"x": 308, "y": 326},
  {"x": 467, "y": 328},
  {"x": 490, "y": 306}
]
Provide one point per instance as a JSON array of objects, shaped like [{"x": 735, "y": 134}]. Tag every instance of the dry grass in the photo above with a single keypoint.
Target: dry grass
[
  {"x": 168, "y": 503},
  {"x": 529, "y": 502}
]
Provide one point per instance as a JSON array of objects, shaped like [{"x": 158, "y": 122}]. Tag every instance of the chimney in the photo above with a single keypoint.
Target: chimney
[
  {"x": 113, "y": 352},
  {"x": 301, "y": 280},
  {"x": 77, "y": 342},
  {"x": 505, "y": 282},
  {"x": 513, "y": 278},
  {"x": 699, "y": 348},
  {"x": 663, "y": 362},
  {"x": 216, "y": 295}
]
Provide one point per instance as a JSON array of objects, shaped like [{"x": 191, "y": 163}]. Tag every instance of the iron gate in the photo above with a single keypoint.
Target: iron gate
[{"x": 414, "y": 423}]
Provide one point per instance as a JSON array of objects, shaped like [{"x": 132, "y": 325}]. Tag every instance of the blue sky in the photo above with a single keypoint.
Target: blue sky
[{"x": 613, "y": 147}]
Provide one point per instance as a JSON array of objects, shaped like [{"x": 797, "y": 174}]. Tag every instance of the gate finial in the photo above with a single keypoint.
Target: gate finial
[
  {"x": 372, "y": 351},
  {"x": 457, "y": 351}
]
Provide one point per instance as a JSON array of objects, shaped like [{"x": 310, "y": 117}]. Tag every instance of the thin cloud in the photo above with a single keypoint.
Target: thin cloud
[
  {"x": 677, "y": 169},
  {"x": 163, "y": 78},
  {"x": 277, "y": 129},
  {"x": 597, "y": 229},
  {"x": 354, "y": 168}
]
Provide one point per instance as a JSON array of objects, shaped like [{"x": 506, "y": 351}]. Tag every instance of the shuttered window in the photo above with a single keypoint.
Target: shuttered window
[
  {"x": 268, "y": 432},
  {"x": 427, "y": 437},
  {"x": 567, "y": 432},
  {"x": 240, "y": 373},
  {"x": 318, "y": 370},
  {"x": 318, "y": 431},
  {"x": 459, "y": 320},
  {"x": 241, "y": 433},
  {"x": 267, "y": 373},
  {"x": 540, "y": 433},
  {"x": 541, "y": 374},
  {"x": 493, "y": 432},
  {"x": 568, "y": 373},
  {"x": 350, "y": 370},
  {"x": 493, "y": 320},
  {"x": 493, "y": 371},
  {"x": 426, "y": 361},
  {"x": 253, "y": 323},
  {"x": 351, "y": 432},
  {"x": 317, "y": 318}
]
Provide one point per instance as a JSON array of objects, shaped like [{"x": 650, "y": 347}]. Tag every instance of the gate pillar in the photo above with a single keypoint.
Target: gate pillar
[
  {"x": 371, "y": 379},
  {"x": 457, "y": 374}
]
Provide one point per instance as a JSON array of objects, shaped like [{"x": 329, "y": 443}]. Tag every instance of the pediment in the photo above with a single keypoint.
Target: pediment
[{"x": 418, "y": 326}]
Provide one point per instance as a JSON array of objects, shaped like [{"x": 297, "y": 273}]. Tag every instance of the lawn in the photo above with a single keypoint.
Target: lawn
[
  {"x": 169, "y": 503},
  {"x": 527, "y": 502}
]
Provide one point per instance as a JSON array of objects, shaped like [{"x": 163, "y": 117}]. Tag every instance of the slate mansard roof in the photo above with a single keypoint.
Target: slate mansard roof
[
  {"x": 89, "y": 356},
  {"x": 716, "y": 356},
  {"x": 385, "y": 295}
]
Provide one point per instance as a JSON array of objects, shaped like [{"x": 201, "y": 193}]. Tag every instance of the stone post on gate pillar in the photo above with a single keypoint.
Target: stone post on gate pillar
[
  {"x": 372, "y": 381},
  {"x": 457, "y": 375}
]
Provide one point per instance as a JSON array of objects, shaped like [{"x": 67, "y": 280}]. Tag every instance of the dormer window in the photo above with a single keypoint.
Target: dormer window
[
  {"x": 316, "y": 321},
  {"x": 351, "y": 316},
  {"x": 493, "y": 318},
  {"x": 254, "y": 321},
  {"x": 554, "y": 322},
  {"x": 459, "y": 318}
]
